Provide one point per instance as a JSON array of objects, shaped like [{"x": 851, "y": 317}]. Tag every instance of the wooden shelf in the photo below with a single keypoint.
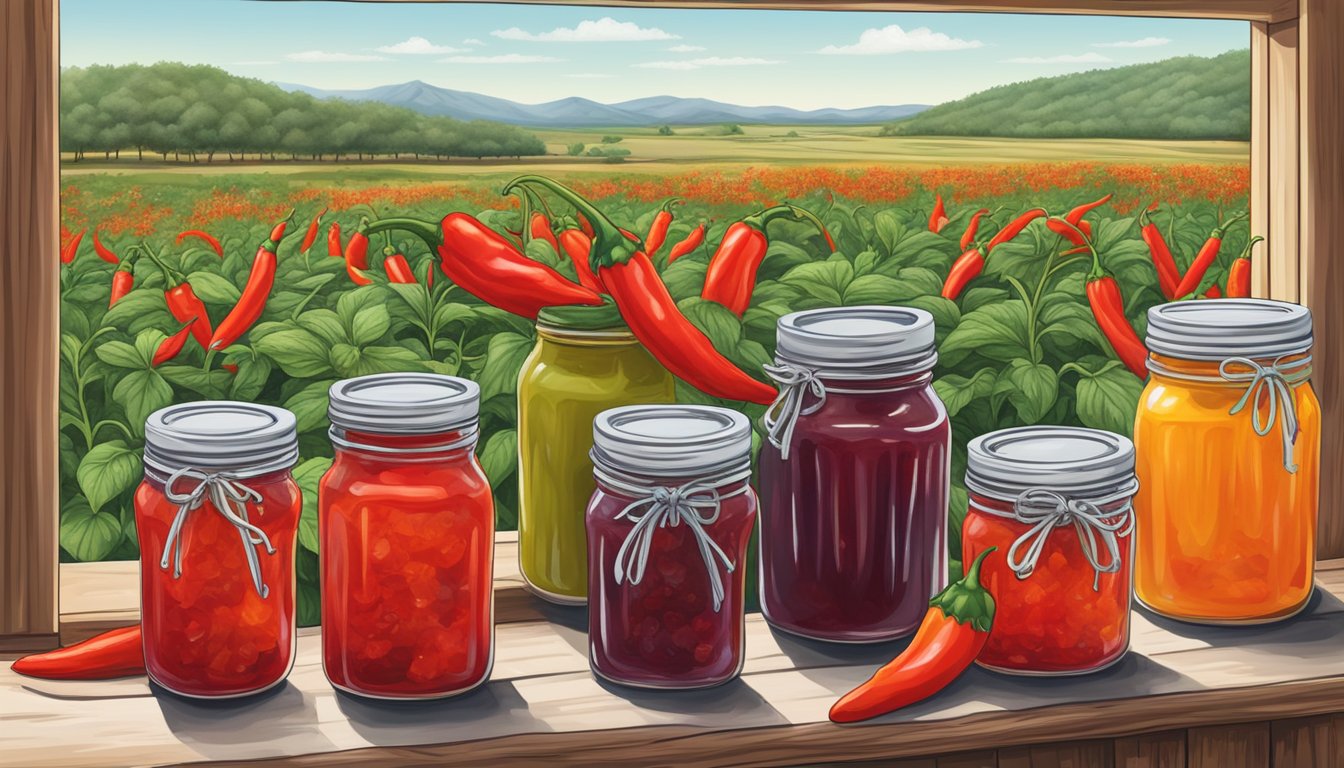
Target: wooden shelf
[{"x": 543, "y": 703}]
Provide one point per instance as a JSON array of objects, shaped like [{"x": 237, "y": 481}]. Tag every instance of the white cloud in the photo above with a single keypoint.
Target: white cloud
[
  {"x": 507, "y": 58},
  {"x": 1143, "y": 42},
  {"x": 327, "y": 57},
  {"x": 894, "y": 39},
  {"x": 252, "y": 63},
  {"x": 473, "y": 41},
  {"x": 710, "y": 61},
  {"x": 417, "y": 45},
  {"x": 591, "y": 76},
  {"x": 686, "y": 48},
  {"x": 603, "y": 30},
  {"x": 1063, "y": 58}
]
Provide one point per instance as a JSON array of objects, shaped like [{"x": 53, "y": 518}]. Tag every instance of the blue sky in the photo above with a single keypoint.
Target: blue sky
[{"x": 540, "y": 53}]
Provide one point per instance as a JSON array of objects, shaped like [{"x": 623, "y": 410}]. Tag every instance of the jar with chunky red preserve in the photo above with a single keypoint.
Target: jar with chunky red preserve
[
  {"x": 1056, "y": 503},
  {"x": 407, "y": 526},
  {"x": 216, "y": 516},
  {"x": 854, "y": 475},
  {"x": 668, "y": 527}
]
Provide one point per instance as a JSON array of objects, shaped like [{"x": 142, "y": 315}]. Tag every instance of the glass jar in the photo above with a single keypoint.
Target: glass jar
[
  {"x": 668, "y": 528},
  {"x": 407, "y": 527},
  {"x": 854, "y": 475},
  {"x": 1056, "y": 504},
  {"x": 1228, "y": 435},
  {"x": 217, "y": 515},
  {"x": 585, "y": 362}
]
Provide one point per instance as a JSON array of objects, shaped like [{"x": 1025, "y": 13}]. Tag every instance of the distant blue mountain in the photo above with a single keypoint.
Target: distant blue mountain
[{"x": 577, "y": 112}]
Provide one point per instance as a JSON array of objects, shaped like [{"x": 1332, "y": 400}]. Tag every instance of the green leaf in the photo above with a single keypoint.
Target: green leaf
[
  {"x": 823, "y": 283},
  {"x": 214, "y": 289},
  {"x": 499, "y": 457},
  {"x": 1031, "y": 388},
  {"x": 108, "y": 470},
  {"x": 119, "y": 354},
  {"x": 299, "y": 353},
  {"x": 147, "y": 344},
  {"x": 685, "y": 277},
  {"x": 87, "y": 535},
  {"x": 979, "y": 296},
  {"x": 351, "y": 302},
  {"x": 889, "y": 229},
  {"x": 325, "y": 325},
  {"x": 958, "y": 504},
  {"x": 957, "y": 392},
  {"x": 141, "y": 393},
  {"x": 995, "y": 331},
  {"x": 308, "y": 475},
  {"x": 310, "y": 405},
  {"x": 716, "y": 321},
  {"x": 212, "y": 384},
  {"x": 308, "y": 606},
  {"x": 345, "y": 359},
  {"x": 369, "y": 325},
  {"x": 387, "y": 360},
  {"x": 873, "y": 289},
  {"x": 251, "y": 378},
  {"x": 140, "y": 309},
  {"x": 1109, "y": 400},
  {"x": 504, "y": 358}
]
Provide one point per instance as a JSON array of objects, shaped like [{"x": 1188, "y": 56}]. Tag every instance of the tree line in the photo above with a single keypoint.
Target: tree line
[{"x": 200, "y": 112}]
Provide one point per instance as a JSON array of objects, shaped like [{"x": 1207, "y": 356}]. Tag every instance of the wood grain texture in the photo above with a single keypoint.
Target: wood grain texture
[
  {"x": 1151, "y": 750},
  {"x": 1313, "y": 742},
  {"x": 1077, "y": 754},
  {"x": 29, "y": 323},
  {"x": 1260, "y": 154},
  {"x": 970, "y": 760},
  {"x": 1281, "y": 247},
  {"x": 1245, "y": 745},
  {"x": 1322, "y": 232}
]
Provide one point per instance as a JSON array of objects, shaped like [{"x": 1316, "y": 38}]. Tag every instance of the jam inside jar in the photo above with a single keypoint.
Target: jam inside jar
[
  {"x": 668, "y": 528},
  {"x": 407, "y": 538},
  {"x": 217, "y": 515},
  {"x": 1055, "y": 503}
]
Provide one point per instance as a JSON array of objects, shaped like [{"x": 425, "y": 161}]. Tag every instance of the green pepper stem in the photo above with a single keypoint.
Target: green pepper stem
[
  {"x": 966, "y": 601},
  {"x": 610, "y": 243},
  {"x": 425, "y": 230}
]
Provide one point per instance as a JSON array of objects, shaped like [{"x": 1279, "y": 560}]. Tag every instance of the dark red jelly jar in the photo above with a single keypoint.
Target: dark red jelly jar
[
  {"x": 217, "y": 515},
  {"x": 854, "y": 475},
  {"x": 407, "y": 526},
  {"x": 668, "y": 528},
  {"x": 1055, "y": 503}
]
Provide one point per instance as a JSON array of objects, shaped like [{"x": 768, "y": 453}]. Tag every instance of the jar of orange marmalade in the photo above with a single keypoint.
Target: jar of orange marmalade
[
  {"x": 1228, "y": 435},
  {"x": 407, "y": 526}
]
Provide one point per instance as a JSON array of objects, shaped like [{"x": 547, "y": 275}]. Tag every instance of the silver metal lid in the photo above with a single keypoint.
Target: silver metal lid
[
  {"x": 1217, "y": 329},
  {"x": 671, "y": 440},
  {"x": 858, "y": 342},
  {"x": 1074, "y": 461},
  {"x": 404, "y": 403},
  {"x": 221, "y": 435}
]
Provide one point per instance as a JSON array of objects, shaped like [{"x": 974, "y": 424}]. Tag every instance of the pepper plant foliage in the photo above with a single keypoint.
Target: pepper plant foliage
[{"x": 1019, "y": 346}]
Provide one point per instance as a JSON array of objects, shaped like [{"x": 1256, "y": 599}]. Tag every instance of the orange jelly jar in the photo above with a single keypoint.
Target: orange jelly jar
[
  {"x": 216, "y": 516},
  {"x": 1055, "y": 503},
  {"x": 407, "y": 525},
  {"x": 1228, "y": 435}
]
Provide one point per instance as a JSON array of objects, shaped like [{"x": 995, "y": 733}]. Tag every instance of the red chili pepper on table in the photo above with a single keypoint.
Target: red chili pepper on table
[
  {"x": 688, "y": 244},
  {"x": 1168, "y": 274},
  {"x": 209, "y": 240},
  {"x": 952, "y": 634},
  {"x": 310, "y": 236},
  {"x": 658, "y": 229},
  {"x": 182, "y": 301},
  {"x": 103, "y": 251},
  {"x": 258, "y": 288},
  {"x": 489, "y": 267},
  {"x": 579, "y": 247},
  {"x": 1239, "y": 275},
  {"x": 731, "y": 276},
  {"x": 122, "y": 282},
  {"x": 116, "y": 653},
  {"x": 968, "y": 236},
  {"x": 971, "y": 263},
  {"x": 71, "y": 247},
  {"x": 397, "y": 268},
  {"x": 170, "y": 347},
  {"x": 938, "y": 218},
  {"x": 357, "y": 257},
  {"x": 1207, "y": 255},
  {"x": 651, "y": 312}
]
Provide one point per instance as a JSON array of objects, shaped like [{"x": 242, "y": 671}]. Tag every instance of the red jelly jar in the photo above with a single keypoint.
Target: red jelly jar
[
  {"x": 216, "y": 516},
  {"x": 668, "y": 528},
  {"x": 407, "y": 527},
  {"x": 1056, "y": 503},
  {"x": 854, "y": 475}
]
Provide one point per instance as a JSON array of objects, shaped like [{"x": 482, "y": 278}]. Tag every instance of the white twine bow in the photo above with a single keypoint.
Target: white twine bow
[
  {"x": 226, "y": 494},
  {"x": 668, "y": 507},
  {"x": 1046, "y": 510},
  {"x": 1271, "y": 383},
  {"x": 780, "y": 419}
]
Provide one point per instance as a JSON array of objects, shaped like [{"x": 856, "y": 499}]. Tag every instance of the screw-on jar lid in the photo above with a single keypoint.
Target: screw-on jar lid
[
  {"x": 1074, "y": 461},
  {"x": 1216, "y": 329},
  {"x": 221, "y": 435},
  {"x": 672, "y": 440},
  {"x": 404, "y": 404},
  {"x": 858, "y": 342}
]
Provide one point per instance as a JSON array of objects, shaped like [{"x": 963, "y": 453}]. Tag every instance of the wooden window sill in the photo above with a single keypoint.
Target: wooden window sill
[{"x": 542, "y": 703}]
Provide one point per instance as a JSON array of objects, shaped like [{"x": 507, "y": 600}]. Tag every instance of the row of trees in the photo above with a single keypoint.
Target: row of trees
[{"x": 200, "y": 112}]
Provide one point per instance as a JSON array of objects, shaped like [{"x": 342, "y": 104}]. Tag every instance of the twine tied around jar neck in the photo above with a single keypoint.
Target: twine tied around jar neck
[
  {"x": 1273, "y": 384},
  {"x": 226, "y": 493},
  {"x": 1044, "y": 510},
  {"x": 780, "y": 419},
  {"x": 696, "y": 504}
]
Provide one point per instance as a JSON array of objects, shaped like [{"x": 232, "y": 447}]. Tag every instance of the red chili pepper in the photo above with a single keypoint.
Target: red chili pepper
[
  {"x": 968, "y": 236},
  {"x": 1014, "y": 228},
  {"x": 116, "y": 653},
  {"x": 259, "y": 283},
  {"x": 688, "y": 244},
  {"x": 578, "y": 247},
  {"x": 209, "y": 240},
  {"x": 397, "y": 268},
  {"x": 938, "y": 218},
  {"x": 334, "y": 248},
  {"x": 69, "y": 250},
  {"x": 541, "y": 230},
  {"x": 171, "y": 346},
  {"x": 964, "y": 269},
  {"x": 122, "y": 282},
  {"x": 488, "y": 266},
  {"x": 658, "y": 229},
  {"x": 1075, "y": 216},
  {"x": 585, "y": 225},
  {"x": 1168, "y": 274},
  {"x": 310, "y": 236},
  {"x": 182, "y": 301},
  {"x": 1108, "y": 307},
  {"x": 731, "y": 276},
  {"x": 357, "y": 257},
  {"x": 652, "y": 313},
  {"x": 1214, "y": 292},
  {"x": 1069, "y": 232},
  {"x": 103, "y": 251},
  {"x": 1204, "y": 259},
  {"x": 230, "y": 367},
  {"x": 952, "y": 634},
  {"x": 1239, "y": 275}
]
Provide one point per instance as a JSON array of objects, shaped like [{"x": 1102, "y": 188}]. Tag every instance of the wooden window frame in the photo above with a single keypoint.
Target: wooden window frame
[{"x": 1297, "y": 201}]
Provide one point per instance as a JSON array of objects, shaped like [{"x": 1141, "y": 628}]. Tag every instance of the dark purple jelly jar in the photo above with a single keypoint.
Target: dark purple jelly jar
[
  {"x": 668, "y": 528},
  {"x": 854, "y": 475}
]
